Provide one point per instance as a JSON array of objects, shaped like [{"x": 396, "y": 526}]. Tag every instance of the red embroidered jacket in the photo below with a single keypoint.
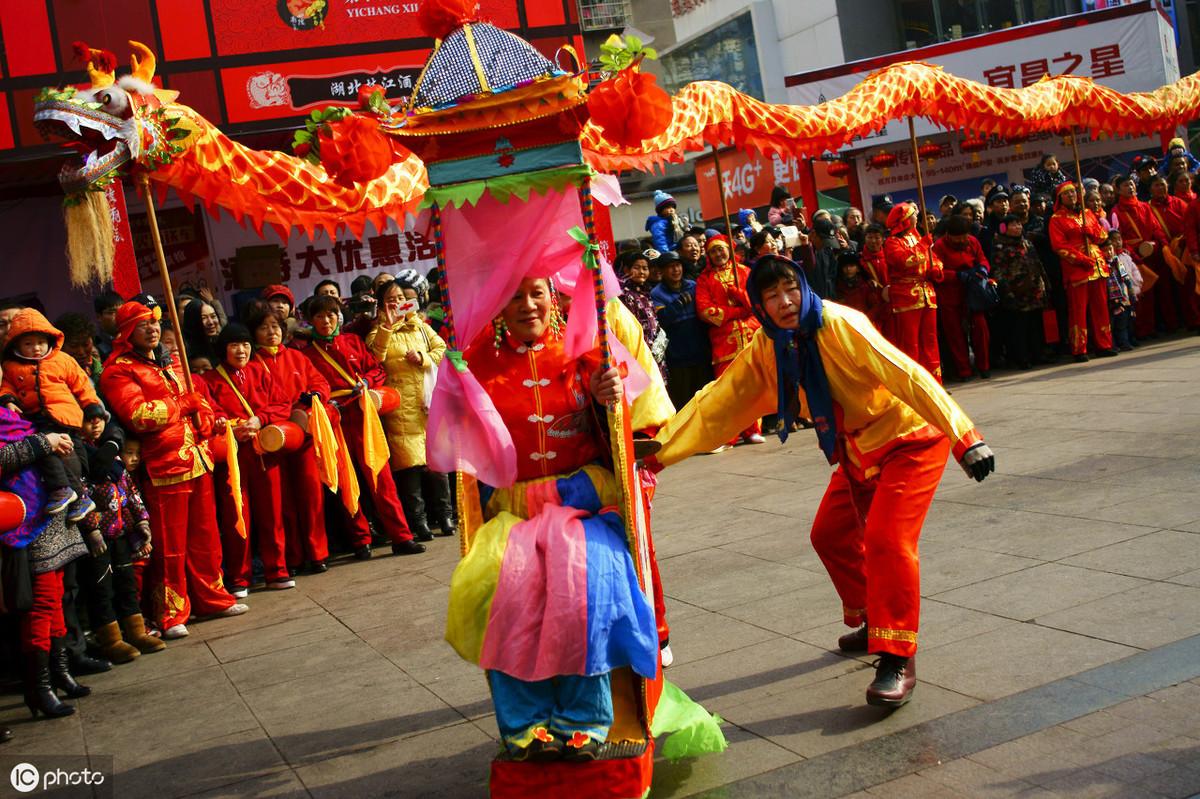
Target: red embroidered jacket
[
  {"x": 722, "y": 302},
  {"x": 1138, "y": 223},
  {"x": 145, "y": 397},
  {"x": 1170, "y": 213},
  {"x": 950, "y": 289},
  {"x": 910, "y": 266},
  {"x": 544, "y": 400},
  {"x": 1078, "y": 246}
]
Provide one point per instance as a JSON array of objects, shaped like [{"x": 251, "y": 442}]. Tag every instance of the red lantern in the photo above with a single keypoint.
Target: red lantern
[
  {"x": 929, "y": 151},
  {"x": 630, "y": 107},
  {"x": 838, "y": 168},
  {"x": 353, "y": 150},
  {"x": 974, "y": 147},
  {"x": 883, "y": 160}
]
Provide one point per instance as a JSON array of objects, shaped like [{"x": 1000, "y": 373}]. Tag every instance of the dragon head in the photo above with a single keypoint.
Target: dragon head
[{"x": 114, "y": 125}]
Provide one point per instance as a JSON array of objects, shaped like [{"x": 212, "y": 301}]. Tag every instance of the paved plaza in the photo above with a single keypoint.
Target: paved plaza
[{"x": 1060, "y": 635}]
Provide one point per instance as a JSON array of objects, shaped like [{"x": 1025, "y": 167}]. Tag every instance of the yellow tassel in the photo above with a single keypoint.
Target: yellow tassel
[
  {"x": 89, "y": 240},
  {"x": 325, "y": 445},
  {"x": 235, "y": 480},
  {"x": 375, "y": 446}
]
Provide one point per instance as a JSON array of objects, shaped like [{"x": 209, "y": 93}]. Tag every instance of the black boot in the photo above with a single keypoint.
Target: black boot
[
  {"x": 60, "y": 671},
  {"x": 39, "y": 694},
  {"x": 440, "y": 510},
  {"x": 83, "y": 663},
  {"x": 408, "y": 487}
]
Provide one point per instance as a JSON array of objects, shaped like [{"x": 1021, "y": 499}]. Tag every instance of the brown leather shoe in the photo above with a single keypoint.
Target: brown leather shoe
[
  {"x": 855, "y": 641},
  {"x": 895, "y": 679}
]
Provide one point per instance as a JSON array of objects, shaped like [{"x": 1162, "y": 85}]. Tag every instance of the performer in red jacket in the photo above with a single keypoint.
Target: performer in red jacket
[
  {"x": 298, "y": 384},
  {"x": 1145, "y": 239},
  {"x": 240, "y": 391},
  {"x": 960, "y": 253},
  {"x": 350, "y": 368},
  {"x": 721, "y": 302},
  {"x": 1171, "y": 213},
  {"x": 1085, "y": 273},
  {"x": 911, "y": 265},
  {"x": 144, "y": 389}
]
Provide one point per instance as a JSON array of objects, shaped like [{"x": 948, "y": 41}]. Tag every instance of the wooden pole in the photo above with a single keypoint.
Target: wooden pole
[
  {"x": 168, "y": 291},
  {"x": 721, "y": 190},
  {"x": 1078, "y": 178},
  {"x": 912, "y": 138}
]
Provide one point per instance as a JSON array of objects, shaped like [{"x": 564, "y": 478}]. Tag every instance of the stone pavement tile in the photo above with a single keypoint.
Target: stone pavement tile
[
  {"x": 1012, "y": 658},
  {"x": 1192, "y": 526},
  {"x": 1187, "y": 578},
  {"x": 1032, "y": 757},
  {"x": 788, "y": 543},
  {"x": 1162, "y": 510},
  {"x": 450, "y": 762},
  {"x": 946, "y": 568},
  {"x": 747, "y": 756},
  {"x": 1177, "y": 714},
  {"x": 814, "y": 605},
  {"x": 41, "y": 736},
  {"x": 184, "y": 767},
  {"x": 778, "y": 666},
  {"x": 1092, "y": 784},
  {"x": 420, "y": 594},
  {"x": 797, "y": 502},
  {"x": 715, "y": 579},
  {"x": 1154, "y": 556},
  {"x": 1162, "y": 474},
  {"x": 1145, "y": 617},
  {"x": 317, "y": 717},
  {"x": 280, "y": 666},
  {"x": 1041, "y": 536},
  {"x": 276, "y": 785},
  {"x": 703, "y": 635},
  {"x": 1084, "y": 468},
  {"x": 696, "y": 529},
  {"x": 1180, "y": 750},
  {"x": 198, "y": 706},
  {"x": 1096, "y": 724},
  {"x": 833, "y": 713},
  {"x": 414, "y": 643},
  {"x": 462, "y": 686},
  {"x": 1178, "y": 782},
  {"x": 274, "y": 637},
  {"x": 1032, "y": 592},
  {"x": 915, "y": 786},
  {"x": 974, "y": 779},
  {"x": 180, "y": 657}
]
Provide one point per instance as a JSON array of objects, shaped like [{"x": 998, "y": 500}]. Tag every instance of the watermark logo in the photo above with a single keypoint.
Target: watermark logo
[{"x": 25, "y": 777}]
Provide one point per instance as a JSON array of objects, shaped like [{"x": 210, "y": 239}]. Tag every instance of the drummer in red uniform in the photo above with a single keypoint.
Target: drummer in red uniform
[
  {"x": 240, "y": 391},
  {"x": 143, "y": 387},
  {"x": 350, "y": 368},
  {"x": 298, "y": 384}
]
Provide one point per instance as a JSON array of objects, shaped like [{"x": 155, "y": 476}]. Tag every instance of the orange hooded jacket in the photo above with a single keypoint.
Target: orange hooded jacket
[{"x": 56, "y": 384}]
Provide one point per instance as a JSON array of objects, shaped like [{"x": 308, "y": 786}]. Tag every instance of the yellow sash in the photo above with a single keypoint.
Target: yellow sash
[
  {"x": 325, "y": 445},
  {"x": 375, "y": 446}
]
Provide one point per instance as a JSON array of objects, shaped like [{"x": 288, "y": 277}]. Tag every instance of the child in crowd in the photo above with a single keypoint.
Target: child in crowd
[
  {"x": 50, "y": 389},
  {"x": 116, "y": 533},
  {"x": 1122, "y": 296},
  {"x": 856, "y": 291},
  {"x": 1021, "y": 283}
]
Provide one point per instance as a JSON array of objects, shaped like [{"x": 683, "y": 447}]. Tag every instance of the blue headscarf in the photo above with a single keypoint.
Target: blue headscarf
[{"x": 798, "y": 360}]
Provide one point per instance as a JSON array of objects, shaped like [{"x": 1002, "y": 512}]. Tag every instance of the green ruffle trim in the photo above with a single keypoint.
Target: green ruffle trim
[
  {"x": 506, "y": 187},
  {"x": 692, "y": 730}
]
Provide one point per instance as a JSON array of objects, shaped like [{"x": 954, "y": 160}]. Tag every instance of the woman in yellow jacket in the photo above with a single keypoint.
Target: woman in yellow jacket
[{"x": 409, "y": 349}]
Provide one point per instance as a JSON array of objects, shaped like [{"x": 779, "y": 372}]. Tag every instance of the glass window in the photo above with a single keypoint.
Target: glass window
[{"x": 726, "y": 53}]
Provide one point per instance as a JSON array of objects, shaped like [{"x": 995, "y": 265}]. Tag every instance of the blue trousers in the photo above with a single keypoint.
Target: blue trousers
[{"x": 563, "y": 705}]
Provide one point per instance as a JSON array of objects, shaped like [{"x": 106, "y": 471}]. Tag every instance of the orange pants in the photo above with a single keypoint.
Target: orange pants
[
  {"x": 1084, "y": 299},
  {"x": 756, "y": 428},
  {"x": 916, "y": 337},
  {"x": 648, "y": 482},
  {"x": 866, "y": 534},
  {"x": 184, "y": 576},
  {"x": 303, "y": 507}
]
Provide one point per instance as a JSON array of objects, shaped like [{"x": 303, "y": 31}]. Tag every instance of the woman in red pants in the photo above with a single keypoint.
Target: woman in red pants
[
  {"x": 240, "y": 392},
  {"x": 50, "y": 545},
  {"x": 297, "y": 385}
]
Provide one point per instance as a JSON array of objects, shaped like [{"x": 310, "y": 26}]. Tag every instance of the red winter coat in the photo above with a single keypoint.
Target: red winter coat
[
  {"x": 1138, "y": 223},
  {"x": 1078, "y": 246},
  {"x": 145, "y": 397},
  {"x": 351, "y": 354},
  {"x": 722, "y": 302},
  {"x": 911, "y": 265},
  {"x": 292, "y": 373},
  {"x": 253, "y": 382}
]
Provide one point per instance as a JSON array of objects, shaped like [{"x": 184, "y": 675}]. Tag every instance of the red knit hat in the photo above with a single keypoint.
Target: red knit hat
[
  {"x": 278, "y": 291},
  {"x": 898, "y": 217}
]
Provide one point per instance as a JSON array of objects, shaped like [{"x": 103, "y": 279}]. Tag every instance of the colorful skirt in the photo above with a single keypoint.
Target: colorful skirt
[{"x": 549, "y": 587}]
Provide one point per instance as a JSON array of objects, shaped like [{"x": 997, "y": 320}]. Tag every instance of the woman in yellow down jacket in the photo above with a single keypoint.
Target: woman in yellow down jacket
[{"x": 408, "y": 349}]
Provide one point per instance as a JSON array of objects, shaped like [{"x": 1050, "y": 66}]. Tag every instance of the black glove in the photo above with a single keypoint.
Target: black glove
[
  {"x": 306, "y": 399},
  {"x": 979, "y": 461}
]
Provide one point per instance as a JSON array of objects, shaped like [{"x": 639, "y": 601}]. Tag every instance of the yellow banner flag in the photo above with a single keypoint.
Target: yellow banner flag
[
  {"x": 375, "y": 446},
  {"x": 235, "y": 478},
  {"x": 347, "y": 479},
  {"x": 325, "y": 445}
]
